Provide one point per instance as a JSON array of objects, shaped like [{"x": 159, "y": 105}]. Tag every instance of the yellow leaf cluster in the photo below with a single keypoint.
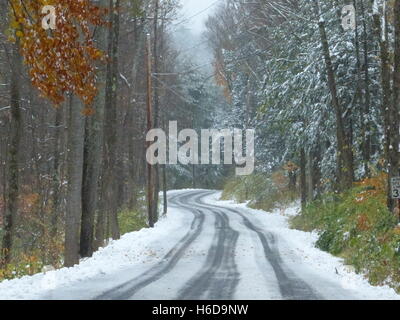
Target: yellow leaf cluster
[
  {"x": 373, "y": 187},
  {"x": 60, "y": 60}
]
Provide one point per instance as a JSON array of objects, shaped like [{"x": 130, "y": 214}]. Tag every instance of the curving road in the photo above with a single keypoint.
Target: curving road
[{"x": 223, "y": 254}]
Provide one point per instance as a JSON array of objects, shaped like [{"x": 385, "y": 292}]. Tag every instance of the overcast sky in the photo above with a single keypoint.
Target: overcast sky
[{"x": 192, "y": 7}]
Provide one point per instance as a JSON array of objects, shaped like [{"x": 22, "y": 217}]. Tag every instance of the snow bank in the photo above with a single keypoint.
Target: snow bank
[
  {"x": 132, "y": 248},
  {"x": 147, "y": 247},
  {"x": 298, "y": 250}
]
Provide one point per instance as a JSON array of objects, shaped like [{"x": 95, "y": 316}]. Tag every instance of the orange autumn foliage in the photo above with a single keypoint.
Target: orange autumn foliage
[
  {"x": 279, "y": 180},
  {"x": 60, "y": 60},
  {"x": 363, "y": 223},
  {"x": 221, "y": 80},
  {"x": 290, "y": 167},
  {"x": 372, "y": 187},
  {"x": 396, "y": 230}
]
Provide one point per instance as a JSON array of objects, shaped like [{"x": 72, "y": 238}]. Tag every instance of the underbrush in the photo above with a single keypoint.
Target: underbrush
[
  {"x": 358, "y": 227},
  {"x": 22, "y": 265},
  {"x": 131, "y": 220},
  {"x": 31, "y": 254},
  {"x": 265, "y": 192}
]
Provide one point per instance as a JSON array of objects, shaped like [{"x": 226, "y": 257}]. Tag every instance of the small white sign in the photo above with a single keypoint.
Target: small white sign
[{"x": 396, "y": 188}]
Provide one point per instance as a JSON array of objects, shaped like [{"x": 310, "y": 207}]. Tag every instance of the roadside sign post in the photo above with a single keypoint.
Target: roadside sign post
[
  {"x": 396, "y": 188},
  {"x": 395, "y": 182}
]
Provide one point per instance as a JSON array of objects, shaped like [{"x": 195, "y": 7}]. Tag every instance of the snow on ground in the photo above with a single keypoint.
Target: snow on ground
[
  {"x": 132, "y": 248},
  {"x": 298, "y": 250},
  {"x": 138, "y": 251}
]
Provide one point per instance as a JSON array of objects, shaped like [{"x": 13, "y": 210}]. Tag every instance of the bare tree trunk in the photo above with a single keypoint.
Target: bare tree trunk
[
  {"x": 139, "y": 40},
  {"x": 394, "y": 115},
  {"x": 345, "y": 170},
  {"x": 11, "y": 205},
  {"x": 93, "y": 160},
  {"x": 109, "y": 183},
  {"x": 387, "y": 102},
  {"x": 76, "y": 130},
  {"x": 303, "y": 178},
  {"x": 91, "y": 175},
  {"x": 292, "y": 182},
  {"x": 367, "y": 102},
  {"x": 310, "y": 176},
  {"x": 316, "y": 159},
  {"x": 57, "y": 181},
  {"x": 115, "y": 231}
]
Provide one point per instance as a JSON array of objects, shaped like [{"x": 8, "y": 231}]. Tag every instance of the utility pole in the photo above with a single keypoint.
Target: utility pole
[
  {"x": 156, "y": 121},
  {"x": 160, "y": 65},
  {"x": 150, "y": 184}
]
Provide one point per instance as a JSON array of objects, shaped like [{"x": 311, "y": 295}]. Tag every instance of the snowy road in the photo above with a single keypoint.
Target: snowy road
[{"x": 205, "y": 249}]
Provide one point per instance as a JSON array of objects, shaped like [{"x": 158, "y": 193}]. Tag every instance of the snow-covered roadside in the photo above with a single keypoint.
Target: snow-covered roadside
[
  {"x": 298, "y": 250},
  {"x": 140, "y": 251},
  {"x": 146, "y": 246}
]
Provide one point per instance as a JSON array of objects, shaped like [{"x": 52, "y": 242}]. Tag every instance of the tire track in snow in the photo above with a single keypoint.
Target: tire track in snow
[
  {"x": 291, "y": 287},
  {"x": 128, "y": 289},
  {"x": 220, "y": 277}
]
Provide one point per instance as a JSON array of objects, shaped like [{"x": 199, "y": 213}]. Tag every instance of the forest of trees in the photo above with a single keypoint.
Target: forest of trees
[
  {"x": 73, "y": 122},
  {"x": 322, "y": 97},
  {"x": 74, "y": 105}
]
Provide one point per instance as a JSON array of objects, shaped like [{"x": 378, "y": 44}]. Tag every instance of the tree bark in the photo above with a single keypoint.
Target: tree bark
[
  {"x": 394, "y": 114},
  {"x": 93, "y": 159},
  {"x": 345, "y": 169},
  {"x": 303, "y": 178},
  {"x": 310, "y": 176},
  {"x": 109, "y": 185},
  {"x": 11, "y": 199},
  {"x": 367, "y": 102},
  {"x": 57, "y": 181},
  {"x": 74, "y": 191},
  {"x": 387, "y": 101}
]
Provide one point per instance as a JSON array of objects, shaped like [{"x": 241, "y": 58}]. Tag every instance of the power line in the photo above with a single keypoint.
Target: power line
[
  {"x": 194, "y": 47},
  {"x": 238, "y": 23},
  {"x": 210, "y": 63},
  {"x": 197, "y": 14},
  {"x": 172, "y": 90}
]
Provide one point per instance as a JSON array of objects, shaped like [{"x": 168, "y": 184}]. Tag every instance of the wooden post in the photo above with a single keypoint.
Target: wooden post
[
  {"x": 398, "y": 212},
  {"x": 156, "y": 122},
  {"x": 150, "y": 187},
  {"x": 303, "y": 178}
]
